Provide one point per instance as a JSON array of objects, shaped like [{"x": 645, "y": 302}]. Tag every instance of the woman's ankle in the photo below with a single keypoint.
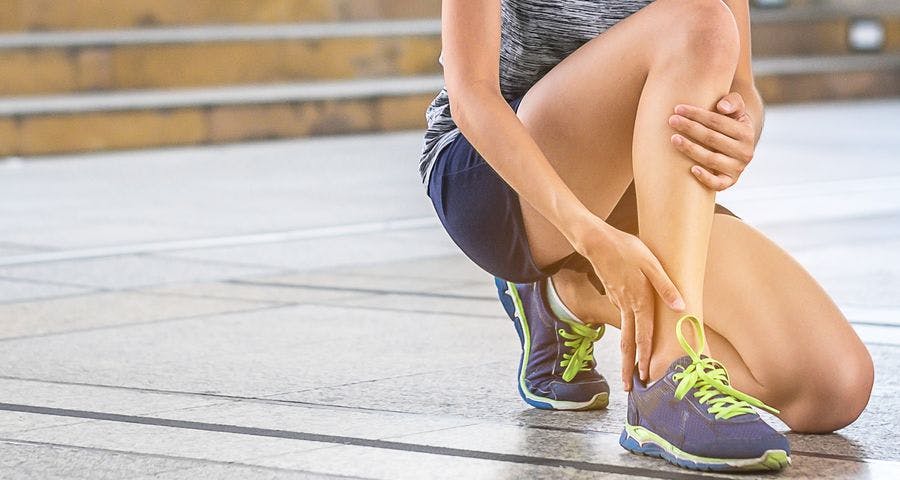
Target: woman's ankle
[{"x": 577, "y": 296}]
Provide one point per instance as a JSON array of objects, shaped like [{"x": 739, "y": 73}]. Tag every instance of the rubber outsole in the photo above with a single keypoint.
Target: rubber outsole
[
  {"x": 514, "y": 302},
  {"x": 630, "y": 439}
]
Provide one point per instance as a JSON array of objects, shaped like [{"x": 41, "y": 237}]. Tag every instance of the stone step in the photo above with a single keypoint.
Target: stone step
[
  {"x": 58, "y": 62},
  {"x": 137, "y": 119},
  {"x": 33, "y": 15},
  {"x": 207, "y": 56}
]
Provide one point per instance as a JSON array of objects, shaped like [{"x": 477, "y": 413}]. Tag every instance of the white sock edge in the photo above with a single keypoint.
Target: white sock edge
[{"x": 556, "y": 302}]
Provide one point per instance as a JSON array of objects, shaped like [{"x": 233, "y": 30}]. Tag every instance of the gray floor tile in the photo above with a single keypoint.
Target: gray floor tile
[
  {"x": 332, "y": 252},
  {"x": 97, "y": 398},
  {"x": 20, "y": 290},
  {"x": 359, "y": 283},
  {"x": 19, "y": 421},
  {"x": 236, "y": 471},
  {"x": 423, "y": 303},
  {"x": 357, "y": 423},
  {"x": 38, "y": 461},
  {"x": 62, "y": 234},
  {"x": 129, "y": 271},
  {"x": 264, "y": 352},
  {"x": 157, "y": 440},
  {"x": 391, "y": 464},
  {"x": 106, "y": 309},
  {"x": 451, "y": 267},
  {"x": 260, "y": 292}
]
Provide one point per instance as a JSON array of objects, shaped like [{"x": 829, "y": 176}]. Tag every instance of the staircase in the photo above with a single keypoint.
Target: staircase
[{"x": 86, "y": 75}]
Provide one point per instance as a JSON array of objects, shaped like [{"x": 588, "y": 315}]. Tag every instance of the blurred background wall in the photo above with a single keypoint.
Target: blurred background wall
[{"x": 85, "y": 75}]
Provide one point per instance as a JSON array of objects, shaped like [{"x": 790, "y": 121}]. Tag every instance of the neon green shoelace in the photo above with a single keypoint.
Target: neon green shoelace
[
  {"x": 711, "y": 379},
  {"x": 581, "y": 344}
]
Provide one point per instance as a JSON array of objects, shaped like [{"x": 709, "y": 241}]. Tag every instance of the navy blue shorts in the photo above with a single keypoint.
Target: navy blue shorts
[{"x": 482, "y": 215}]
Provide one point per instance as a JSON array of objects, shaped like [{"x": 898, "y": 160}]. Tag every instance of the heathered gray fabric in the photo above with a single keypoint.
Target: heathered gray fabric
[{"x": 535, "y": 35}]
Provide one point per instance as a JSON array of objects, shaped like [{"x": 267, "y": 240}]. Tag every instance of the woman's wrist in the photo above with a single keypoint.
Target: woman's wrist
[{"x": 585, "y": 230}]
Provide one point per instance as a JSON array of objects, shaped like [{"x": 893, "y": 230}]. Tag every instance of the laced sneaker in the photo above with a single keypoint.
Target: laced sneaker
[
  {"x": 692, "y": 417},
  {"x": 556, "y": 369}
]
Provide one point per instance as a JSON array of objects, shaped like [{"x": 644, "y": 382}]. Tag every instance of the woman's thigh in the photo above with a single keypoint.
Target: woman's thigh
[{"x": 582, "y": 115}]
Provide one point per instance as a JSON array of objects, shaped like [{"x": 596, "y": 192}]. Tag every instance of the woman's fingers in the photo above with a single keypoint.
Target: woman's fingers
[
  {"x": 712, "y": 139},
  {"x": 628, "y": 346},
  {"x": 643, "y": 334},
  {"x": 731, "y": 127},
  {"x": 654, "y": 272},
  {"x": 717, "y": 182}
]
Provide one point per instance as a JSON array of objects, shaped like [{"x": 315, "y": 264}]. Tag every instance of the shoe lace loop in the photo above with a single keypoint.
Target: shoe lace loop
[
  {"x": 581, "y": 347},
  {"x": 711, "y": 379}
]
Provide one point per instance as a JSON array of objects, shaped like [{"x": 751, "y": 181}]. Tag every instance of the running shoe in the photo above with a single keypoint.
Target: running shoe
[
  {"x": 692, "y": 417},
  {"x": 557, "y": 367}
]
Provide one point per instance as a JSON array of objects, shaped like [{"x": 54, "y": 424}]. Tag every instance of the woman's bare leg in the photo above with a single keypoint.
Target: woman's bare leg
[
  {"x": 583, "y": 114},
  {"x": 627, "y": 82}
]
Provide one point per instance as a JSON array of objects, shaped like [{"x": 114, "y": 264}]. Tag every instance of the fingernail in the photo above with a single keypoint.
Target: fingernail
[
  {"x": 680, "y": 109},
  {"x": 679, "y": 303},
  {"x": 725, "y": 105}
]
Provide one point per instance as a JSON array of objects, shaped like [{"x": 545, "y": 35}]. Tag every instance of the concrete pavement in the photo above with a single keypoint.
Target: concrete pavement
[{"x": 293, "y": 309}]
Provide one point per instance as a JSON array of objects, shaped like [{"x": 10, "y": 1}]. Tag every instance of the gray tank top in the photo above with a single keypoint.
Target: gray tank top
[{"x": 535, "y": 35}]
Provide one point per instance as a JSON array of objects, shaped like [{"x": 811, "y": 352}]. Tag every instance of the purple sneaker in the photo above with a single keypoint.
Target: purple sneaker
[
  {"x": 556, "y": 369},
  {"x": 692, "y": 417}
]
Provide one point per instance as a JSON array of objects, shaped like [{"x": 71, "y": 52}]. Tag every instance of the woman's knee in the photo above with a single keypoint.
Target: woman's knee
[
  {"x": 835, "y": 398},
  {"x": 700, "y": 32}
]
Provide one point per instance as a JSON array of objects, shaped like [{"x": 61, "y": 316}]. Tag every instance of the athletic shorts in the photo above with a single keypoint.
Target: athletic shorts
[{"x": 482, "y": 215}]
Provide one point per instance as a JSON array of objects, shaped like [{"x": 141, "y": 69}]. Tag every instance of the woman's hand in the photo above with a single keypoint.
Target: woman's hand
[
  {"x": 723, "y": 142},
  {"x": 630, "y": 274}
]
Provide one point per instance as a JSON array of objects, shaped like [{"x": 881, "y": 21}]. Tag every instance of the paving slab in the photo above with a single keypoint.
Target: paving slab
[
  {"x": 388, "y": 465},
  {"x": 22, "y": 290},
  {"x": 267, "y": 351},
  {"x": 370, "y": 283},
  {"x": 129, "y": 271},
  {"x": 106, "y": 310},
  {"x": 436, "y": 303},
  {"x": 454, "y": 266},
  {"x": 38, "y": 461},
  {"x": 238, "y": 470},
  {"x": 333, "y": 252},
  {"x": 211, "y": 191},
  {"x": 20, "y": 422},
  {"x": 9, "y": 248},
  {"x": 256, "y": 292},
  {"x": 159, "y": 440}
]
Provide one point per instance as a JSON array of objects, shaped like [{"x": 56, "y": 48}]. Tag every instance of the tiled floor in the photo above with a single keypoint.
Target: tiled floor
[{"x": 294, "y": 310}]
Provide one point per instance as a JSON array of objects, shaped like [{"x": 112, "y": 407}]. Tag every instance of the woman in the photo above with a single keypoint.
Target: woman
[{"x": 610, "y": 119}]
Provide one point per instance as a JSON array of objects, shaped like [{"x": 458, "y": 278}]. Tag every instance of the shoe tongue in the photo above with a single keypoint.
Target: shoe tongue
[{"x": 682, "y": 362}]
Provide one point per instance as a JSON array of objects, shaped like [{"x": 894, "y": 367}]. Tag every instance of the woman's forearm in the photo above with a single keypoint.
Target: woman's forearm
[{"x": 497, "y": 133}]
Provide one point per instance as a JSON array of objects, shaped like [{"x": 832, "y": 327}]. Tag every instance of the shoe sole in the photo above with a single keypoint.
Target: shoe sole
[
  {"x": 642, "y": 441},
  {"x": 597, "y": 402}
]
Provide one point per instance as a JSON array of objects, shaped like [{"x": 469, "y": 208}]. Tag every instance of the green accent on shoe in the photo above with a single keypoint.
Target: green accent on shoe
[
  {"x": 770, "y": 460},
  {"x": 711, "y": 379},
  {"x": 581, "y": 342}
]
